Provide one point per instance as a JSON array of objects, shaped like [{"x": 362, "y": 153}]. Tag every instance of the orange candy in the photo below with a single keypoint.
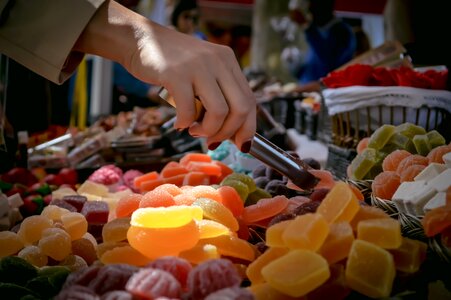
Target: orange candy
[
  {"x": 385, "y": 184},
  {"x": 340, "y": 204},
  {"x": 138, "y": 181},
  {"x": 392, "y": 160},
  {"x": 157, "y": 242},
  {"x": 199, "y": 157},
  {"x": 196, "y": 178},
  {"x": 411, "y": 172},
  {"x": 362, "y": 145},
  {"x": 264, "y": 208},
  {"x": 157, "y": 198},
  {"x": 208, "y": 168},
  {"x": 205, "y": 191},
  {"x": 231, "y": 199},
  {"x": 127, "y": 205},
  {"x": 437, "y": 220},
  {"x": 414, "y": 159},
  {"x": 172, "y": 169},
  {"x": 436, "y": 154}
]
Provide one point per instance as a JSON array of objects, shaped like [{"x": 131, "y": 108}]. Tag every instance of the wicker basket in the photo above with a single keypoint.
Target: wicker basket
[{"x": 356, "y": 112}]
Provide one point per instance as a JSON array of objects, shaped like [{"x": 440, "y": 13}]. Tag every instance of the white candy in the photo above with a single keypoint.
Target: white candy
[
  {"x": 442, "y": 181},
  {"x": 447, "y": 159},
  {"x": 405, "y": 192},
  {"x": 419, "y": 199},
  {"x": 15, "y": 201},
  {"x": 4, "y": 205},
  {"x": 437, "y": 201},
  {"x": 430, "y": 172}
]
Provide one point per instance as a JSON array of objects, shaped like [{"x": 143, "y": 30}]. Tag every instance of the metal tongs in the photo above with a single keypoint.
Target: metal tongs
[{"x": 268, "y": 153}]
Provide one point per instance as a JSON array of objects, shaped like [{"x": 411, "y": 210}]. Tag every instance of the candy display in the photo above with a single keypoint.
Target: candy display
[{"x": 203, "y": 228}]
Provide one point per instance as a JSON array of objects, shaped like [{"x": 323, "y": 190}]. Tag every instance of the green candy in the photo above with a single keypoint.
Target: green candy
[
  {"x": 256, "y": 195},
  {"x": 14, "y": 291},
  {"x": 409, "y": 130},
  {"x": 435, "y": 139},
  {"x": 241, "y": 188},
  {"x": 362, "y": 163},
  {"x": 14, "y": 269},
  {"x": 246, "y": 179},
  {"x": 399, "y": 141},
  {"x": 422, "y": 145},
  {"x": 381, "y": 136}
]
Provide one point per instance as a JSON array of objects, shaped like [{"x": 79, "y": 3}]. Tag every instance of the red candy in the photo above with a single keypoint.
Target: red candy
[{"x": 150, "y": 283}]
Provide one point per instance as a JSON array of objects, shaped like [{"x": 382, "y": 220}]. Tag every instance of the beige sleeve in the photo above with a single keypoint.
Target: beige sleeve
[{"x": 40, "y": 34}]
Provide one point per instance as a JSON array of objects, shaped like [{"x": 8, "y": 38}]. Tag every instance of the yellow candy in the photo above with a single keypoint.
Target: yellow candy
[
  {"x": 124, "y": 255},
  {"x": 263, "y": 291},
  {"x": 216, "y": 211},
  {"x": 228, "y": 245},
  {"x": 408, "y": 257},
  {"x": 200, "y": 253},
  {"x": 340, "y": 204},
  {"x": 253, "y": 271},
  {"x": 274, "y": 234},
  {"x": 385, "y": 233},
  {"x": 370, "y": 270},
  {"x": 306, "y": 232},
  {"x": 165, "y": 217},
  {"x": 156, "y": 242},
  {"x": 116, "y": 230},
  {"x": 32, "y": 227},
  {"x": 55, "y": 243},
  {"x": 54, "y": 212},
  {"x": 210, "y": 229},
  {"x": 338, "y": 243},
  {"x": 10, "y": 243},
  {"x": 75, "y": 224},
  {"x": 297, "y": 272}
]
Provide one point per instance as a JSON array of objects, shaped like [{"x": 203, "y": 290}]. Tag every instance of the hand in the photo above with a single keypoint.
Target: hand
[{"x": 185, "y": 66}]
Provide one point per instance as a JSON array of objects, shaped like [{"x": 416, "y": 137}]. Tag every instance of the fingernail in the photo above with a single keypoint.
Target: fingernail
[
  {"x": 180, "y": 129},
  {"x": 213, "y": 146},
  {"x": 246, "y": 146}
]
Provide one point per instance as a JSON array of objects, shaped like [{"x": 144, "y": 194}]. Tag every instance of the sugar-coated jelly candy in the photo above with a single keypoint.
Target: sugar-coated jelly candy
[
  {"x": 253, "y": 271},
  {"x": 54, "y": 212},
  {"x": 408, "y": 257},
  {"x": 246, "y": 179},
  {"x": 231, "y": 293},
  {"x": 200, "y": 253},
  {"x": 381, "y": 136},
  {"x": 96, "y": 212},
  {"x": 177, "y": 266},
  {"x": 73, "y": 262},
  {"x": 435, "y": 139},
  {"x": 117, "y": 295},
  {"x": 231, "y": 199},
  {"x": 124, "y": 255},
  {"x": 340, "y": 204},
  {"x": 34, "y": 256},
  {"x": 365, "y": 213},
  {"x": 10, "y": 243},
  {"x": 157, "y": 198},
  {"x": 127, "y": 205},
  {"x": 399, "y": 141},
  {"x": 150, "y": 283},
  {"x": 104, "y": 247},
  {"x": 338, "y": 242},
  {"x": 386, "y": 233},
  {"x": 392, "y": 160},
  {"x": 31, "y": 228},
  {"x": 85, "y": 249},
  {"x": 77, "y": 292},
  {"x": 55, "y": 243},
  {"x": 385, "y": 184},
  {"x": 414, "y": 159},
  {"x": 210, "y": 228},
  {"x": 241, "y": 188},
  {"x": 14, "y": 269},
  {"x": 210, "y": 276},
  {"x": 75, "y": 224},
  {"x": 164, "y": 241},
  {"x": 409, "y": 129},
  {"x": 306, "y": 232},
  {"x": 216, "y": 211},
  {"x": 264, "y": 208},
  {"x": 229, "y": 245},
  {"x": 422, "y": 145},
  {"x": 165, "y": 217},
  {"x": 116, "y": 230},
  {"x": 370, "y": 269},
  {"x": 275, "y": 232},
  {"x": 112, "y": 277},
  {"x": 436, "y": 154},
  {"x": 75, "y": 200},
  {"x": 297, "y": 272},
  {"x": 362, "y": 163}
]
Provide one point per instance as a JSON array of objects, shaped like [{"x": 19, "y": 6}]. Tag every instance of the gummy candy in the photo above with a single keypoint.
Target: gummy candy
[
  {"x": 16, "y": 270},
  {"x": 407, "y": 257},
  {"x": 55, "y": 243},
  {"x": 10, "y": 243},
  {"x": 422, "y": 145},
  {"x": 392, "y": 160},
  {"x": 165, "y": 217},
  {"x": 414, "y": 159},
  {"x": 231, "y": 293},
  {"x": 307, "y": 231},
  {"x": 411, "y": 172},
  {"x": 178, "y": 267},
  {"x": 157, "y": 198},
  {"x": 264, "y": 208},
  {"x": 385, "y": 233},
  {"x": 229, "y": 245},
  {"x": 435, "y": 139},
  {"x": 96, "y": 212},
  {"x": 338, "y": 242},
  {"x": 32, "y": 227},
  {"x": 370, "y": 269},
  {"x": 200, "y": 253},
  {"x": 436, "y": 154},
  {"x": 385, "y": 184},
  {"x": 253, "y": 271},
  {"x": 297, "y": 272},
  {"x": 363, "y": 163},
  {"x": 75, "y": 224},
  {"x": 124, "y": 255},
  {"x": 231, "y": 199},
  {"x": 150, "y": 283},
  {"x": 409, "y": 130},
  {"x": 34, "y": 256},
  {"x": 75, "y": 200},
  {"x": 210, "y": 276},
  {"x": 218, "y": 212},
  {"x": 210, "y": 228},
  {"x": 340, "y": 204},
  {"x": 381, "y": 136},
  {"x": 112, "y": 277},
  {"x": 54, "y": 212},
  {"x": 127, "y": 205},
  {"x": 116, "y": 230},
  {"x": 73, "y": 263},
  {"x": 85, "y": 249}
]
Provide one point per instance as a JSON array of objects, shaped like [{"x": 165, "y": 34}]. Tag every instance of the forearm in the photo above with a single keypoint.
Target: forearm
[{"x": 112, "y": 33}]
